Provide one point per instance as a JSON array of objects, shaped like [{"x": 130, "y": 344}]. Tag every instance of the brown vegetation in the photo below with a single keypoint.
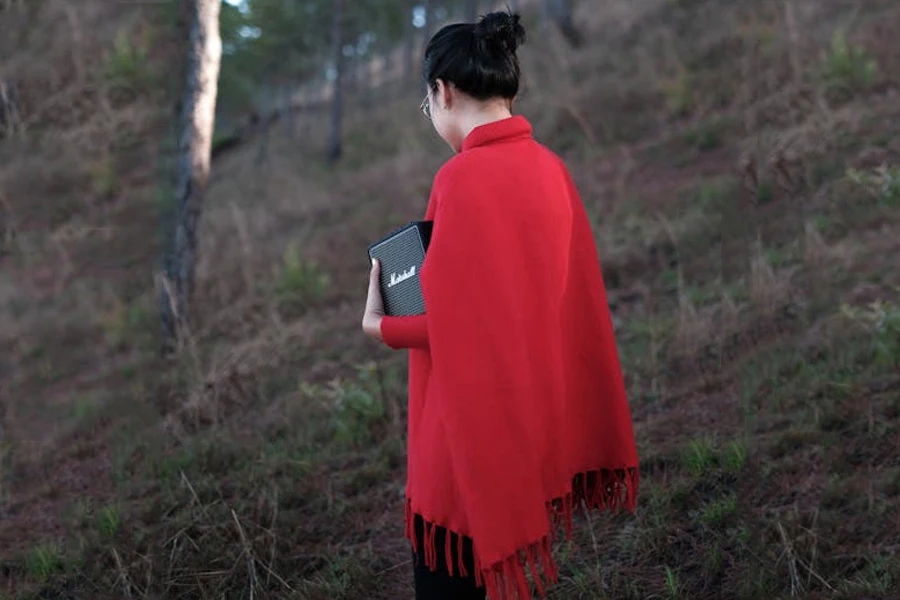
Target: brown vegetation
[{"x": 730, "y": 156}]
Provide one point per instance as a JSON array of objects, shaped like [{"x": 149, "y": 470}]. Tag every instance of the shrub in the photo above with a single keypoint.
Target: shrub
[
  {"x": 847, "y": 68},
  {"x": 301, "y": 283}
]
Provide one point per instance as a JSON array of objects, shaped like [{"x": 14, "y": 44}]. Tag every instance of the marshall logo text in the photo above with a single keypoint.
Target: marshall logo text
[{"x": 403, "y": 276}]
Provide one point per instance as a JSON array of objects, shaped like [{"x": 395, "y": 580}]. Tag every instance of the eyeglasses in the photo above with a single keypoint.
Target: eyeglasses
[{"x": 425, "y": 107}]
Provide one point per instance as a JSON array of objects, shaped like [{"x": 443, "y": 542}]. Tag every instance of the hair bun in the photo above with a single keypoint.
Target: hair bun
[{"x": 502, "y": 29}]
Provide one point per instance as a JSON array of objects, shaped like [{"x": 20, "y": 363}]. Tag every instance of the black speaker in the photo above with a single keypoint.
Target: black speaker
[{"x": 401, "y": 254}]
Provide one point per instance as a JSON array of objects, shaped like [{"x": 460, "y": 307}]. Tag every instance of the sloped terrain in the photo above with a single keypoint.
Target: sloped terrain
[{"x": 741, "y": 162}]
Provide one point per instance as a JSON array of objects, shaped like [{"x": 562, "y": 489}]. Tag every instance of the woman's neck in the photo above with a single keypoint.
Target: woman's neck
[{"x": 485, "y": 115}]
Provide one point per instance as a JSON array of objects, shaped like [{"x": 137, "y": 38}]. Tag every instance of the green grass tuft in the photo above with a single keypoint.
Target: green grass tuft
[
  {"x": 44, "y": 561},
  {"x": 301, "y": 283},
  {"x": 108, "y": 521},
  {"x": 699, "y": 457},
  {"x": 717, "y": 512},
  {"x": 847, "y": 68}
]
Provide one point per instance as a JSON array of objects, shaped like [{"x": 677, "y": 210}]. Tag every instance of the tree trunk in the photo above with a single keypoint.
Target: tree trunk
[
  {"x": 267, "y": 110},
  {"x": 10, "y": 120},
  {"x": 198, "y": 110},
  {"x": 290, "y": 92},
  {"x": 11, "y": 4},
  {"x": 335, "y": 149},
  {"x": 471, "y": 11},
  {"x": 426, "y": 27},
  {"x": 355, "y": 67},
  {"x": 409, "y": 67},
  {"x": 559, "y": 12},
  {"x": 368, "y": 81},
  {"x": 426, "y": 35}
]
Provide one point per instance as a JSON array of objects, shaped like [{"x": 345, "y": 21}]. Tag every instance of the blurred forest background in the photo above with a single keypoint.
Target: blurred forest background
[{"x": 740, "y": 160}]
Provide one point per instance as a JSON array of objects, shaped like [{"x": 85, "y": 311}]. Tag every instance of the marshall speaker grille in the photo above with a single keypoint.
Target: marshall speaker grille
[{"x": 401, "y": 254}]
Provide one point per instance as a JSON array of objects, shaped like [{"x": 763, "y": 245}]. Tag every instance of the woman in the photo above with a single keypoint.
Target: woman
[{"x": 517, "y": 408}]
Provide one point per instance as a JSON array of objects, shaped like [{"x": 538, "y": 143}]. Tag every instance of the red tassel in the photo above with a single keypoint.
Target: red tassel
[
  {"x": 448, "y": 554},
  {"x": 549, "y": 564},
  {"x": 463, "y": 571},
  {"x": 479, "y": 575},
  {"x": 506, "y": 579},
  {"x": 406, "y": 526},
  {"x": 546, "y": 562},
  {"x": 532, "y": 568},
  {"x": 493, "y": 588},
  {"x": 432, "y": 543},
  {"x": 600, "y": 491},
  {"x": 551, "y": 514},
  {"x": 633, "y": 484},
  {"x": 429, "y": 545},
  {"x": 411, "y": 527},
  {"x": 618, "y": 487},
  {"x": 524, "y": 588},
  {"x": 568, "y": 516}
]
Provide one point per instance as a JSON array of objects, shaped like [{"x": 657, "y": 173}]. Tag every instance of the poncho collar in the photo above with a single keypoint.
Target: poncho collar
[{"x": 510, "y": 129}]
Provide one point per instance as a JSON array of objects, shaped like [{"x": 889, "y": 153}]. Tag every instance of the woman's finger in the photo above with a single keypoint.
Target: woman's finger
[
  {"x": 374, "y": 286},
  {"x": 374, "y": 275}
]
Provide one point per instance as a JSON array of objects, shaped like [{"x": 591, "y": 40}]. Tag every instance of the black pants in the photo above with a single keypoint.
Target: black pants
[{"x": 439, "y": 585}]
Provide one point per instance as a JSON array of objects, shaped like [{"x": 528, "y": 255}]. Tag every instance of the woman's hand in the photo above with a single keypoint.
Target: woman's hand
[{"x": 374, "y": 312}]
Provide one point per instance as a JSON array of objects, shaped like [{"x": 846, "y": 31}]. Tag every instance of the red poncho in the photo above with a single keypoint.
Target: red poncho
[{"x": 517, "y": 407}]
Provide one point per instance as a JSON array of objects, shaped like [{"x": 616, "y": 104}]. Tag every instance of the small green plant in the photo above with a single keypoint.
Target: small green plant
[
  {"x": 44, "y": 561},
  {"x": 734, "y": 456},
  {"x": 715, "y": 560},
  {"x": 127, "y": 66},
  {"x": 765, "y": 192},
  {"x": 882, "y": 321},
  {"x": 679, "y": 94},
  {"x": 108, "y": 521},
  {"x": 673, "y": 586},
  {"x": 713, "y": 193},
  {"x": 706, "y": 136},
  {"x": 84, "y": 409},
  {"x": 356, "y": 406},
  {"x": 715, "y": 513},
  {"x": 777, "y": 257},
  {"x": 883, "y": 184},
  {"x": 669, "y": 278},
  {"x": 104, "y": 179},
  {"x": 300, "y": 283},
  {"x": 847, "y": 68},
  {"x": 125, "y": 324},
  {"x": 699, "y": 456},
  {"x": 579, "y": 579},
  {"x": 877, "y": 577}
]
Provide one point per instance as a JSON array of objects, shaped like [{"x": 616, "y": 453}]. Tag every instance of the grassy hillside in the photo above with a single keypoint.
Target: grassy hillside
[{"x": 741, "y": 164}]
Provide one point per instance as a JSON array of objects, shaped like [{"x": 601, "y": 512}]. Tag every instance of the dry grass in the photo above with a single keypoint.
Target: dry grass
[{"x": 267, "y": 459}]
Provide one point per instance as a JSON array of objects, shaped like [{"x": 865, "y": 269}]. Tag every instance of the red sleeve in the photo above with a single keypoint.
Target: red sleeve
[{"x": 405, "y": 332}]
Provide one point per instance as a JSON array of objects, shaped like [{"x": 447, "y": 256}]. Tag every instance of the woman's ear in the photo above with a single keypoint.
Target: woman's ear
[{"x": 444, "y": 94}]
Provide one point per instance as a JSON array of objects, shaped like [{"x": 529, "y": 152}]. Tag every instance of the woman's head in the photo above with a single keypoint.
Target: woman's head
[{"x": 472, "y": 74}]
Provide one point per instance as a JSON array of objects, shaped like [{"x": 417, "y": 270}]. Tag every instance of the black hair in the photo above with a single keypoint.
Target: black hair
[{"x": 478, "y": 58}]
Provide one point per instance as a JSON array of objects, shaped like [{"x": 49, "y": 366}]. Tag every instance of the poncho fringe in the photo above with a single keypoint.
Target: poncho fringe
[{"x": 611, "y": 490}]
